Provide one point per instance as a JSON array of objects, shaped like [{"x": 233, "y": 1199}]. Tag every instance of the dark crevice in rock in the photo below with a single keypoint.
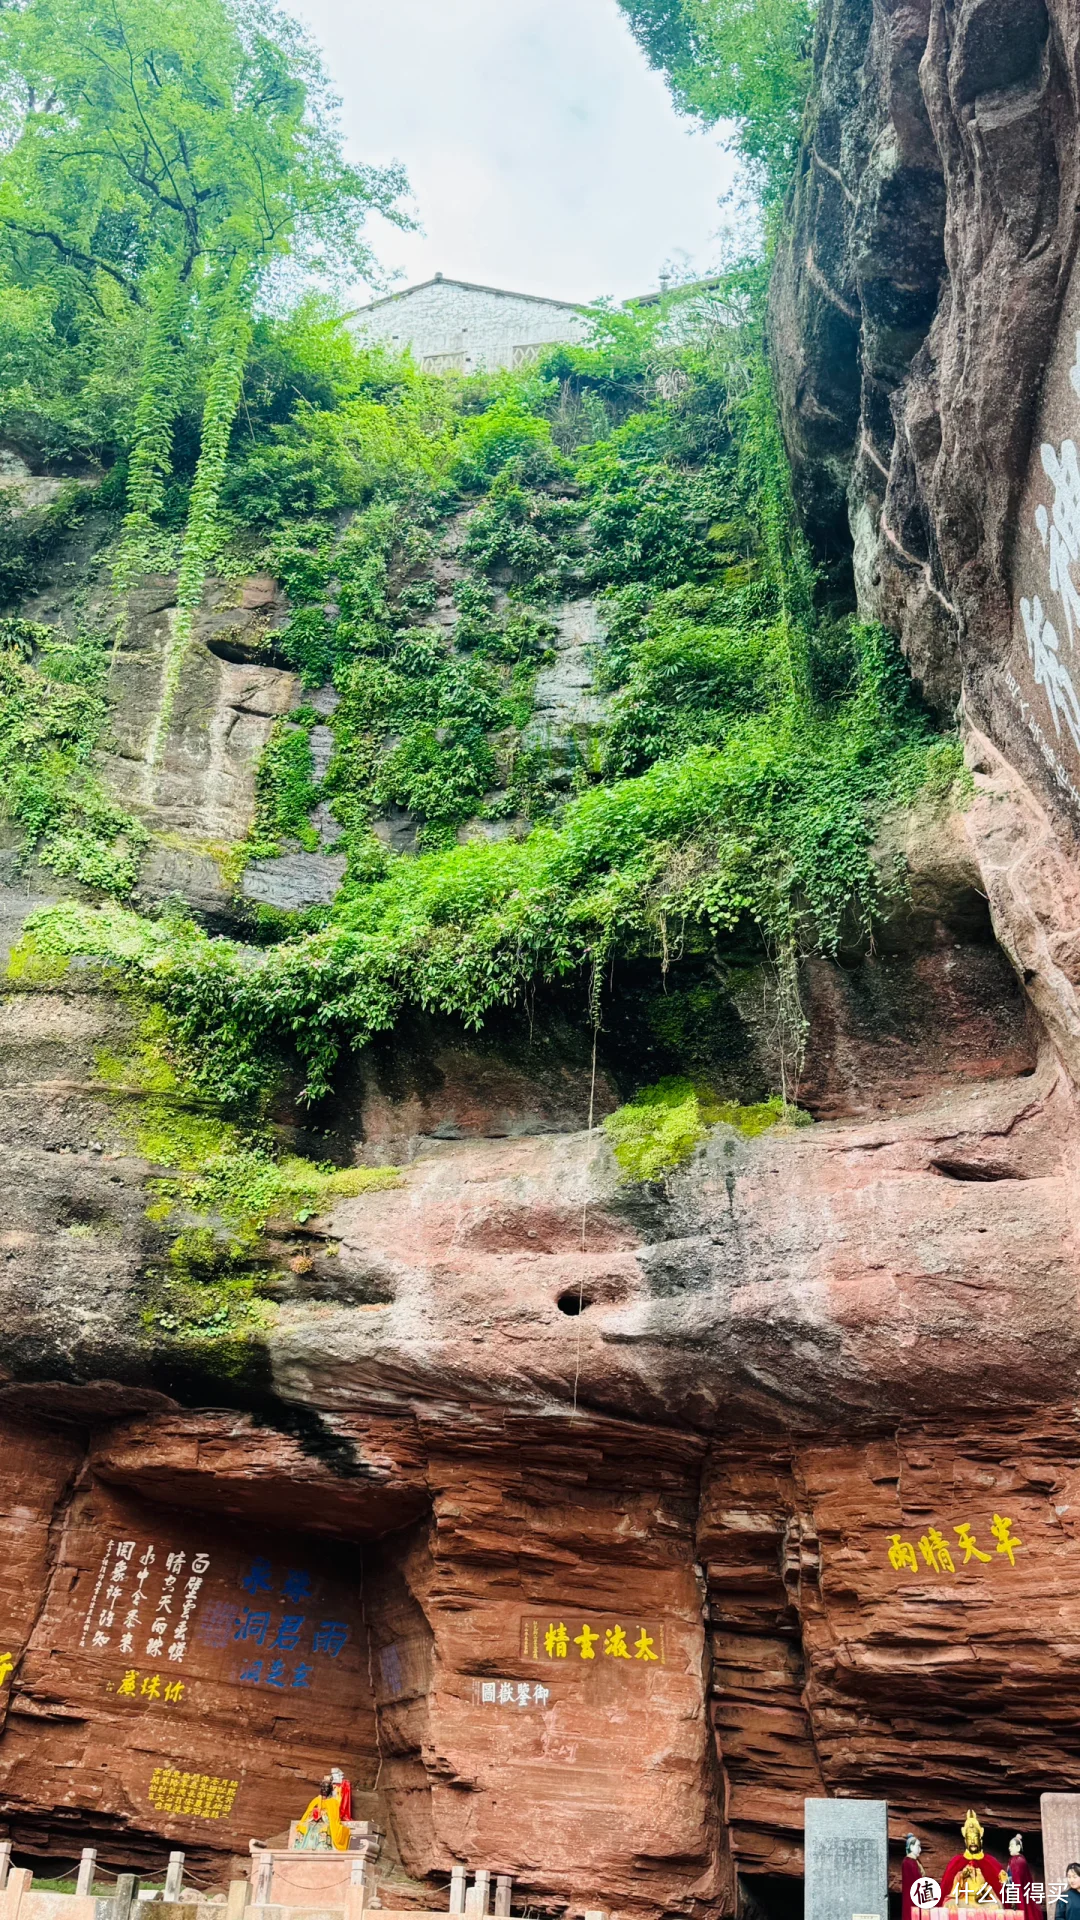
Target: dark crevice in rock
[
  {"x": 202, "y": 1384},
  {"x": 974, "y": 1170}
]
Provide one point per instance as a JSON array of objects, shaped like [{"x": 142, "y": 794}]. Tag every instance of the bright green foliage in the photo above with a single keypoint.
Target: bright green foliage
[
  {"x": 741, "y": 60},
  {"x": 441, "y": 707},
  {"x": 490, "y": 441},
  {"x": 202, "y": 534},
  {"x": 658, "y": 1130},
  {"x": 729, "y": 803},
  {"x": 773, "y": 828},
  {"x": 284, "y": 791},
  {"x": 216, "y": 1188},
  {"x": 150, "y": 462},
  {"x": 246, "y": 1187},
  {"x": 53, "y": 714},
  {"x": 158, "y": 157},
  {"x": 153, "y": 144}
]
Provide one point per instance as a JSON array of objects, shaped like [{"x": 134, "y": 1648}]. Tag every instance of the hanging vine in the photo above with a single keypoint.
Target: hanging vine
[
  {"x": 230, "y": 340},
  {"x": 150, "y": 462}
]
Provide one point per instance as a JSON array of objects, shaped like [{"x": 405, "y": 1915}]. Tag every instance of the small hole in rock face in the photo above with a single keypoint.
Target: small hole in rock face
[
  {"x": 573, "y": 1303},
  {"x": 980, "y": 1170}
]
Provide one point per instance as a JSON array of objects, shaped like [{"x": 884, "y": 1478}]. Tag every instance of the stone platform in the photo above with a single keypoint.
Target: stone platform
[{"x": 300, "y": 1880}]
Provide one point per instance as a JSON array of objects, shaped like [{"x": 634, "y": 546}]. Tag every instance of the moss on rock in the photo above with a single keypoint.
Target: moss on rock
[{"x": 659, "y": 1129}]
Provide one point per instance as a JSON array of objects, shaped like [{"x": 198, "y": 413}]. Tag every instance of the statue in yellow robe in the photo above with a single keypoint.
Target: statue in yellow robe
[
  {"x": 322, "y": 1826},
  {"x": 973, "y": 1873}
]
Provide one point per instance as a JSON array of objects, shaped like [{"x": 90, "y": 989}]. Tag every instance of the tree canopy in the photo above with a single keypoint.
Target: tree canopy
[
  {"x": 747, "y": 61},
  {"x": 159, "y": 156},
  {"x": 150, "y": 140}
]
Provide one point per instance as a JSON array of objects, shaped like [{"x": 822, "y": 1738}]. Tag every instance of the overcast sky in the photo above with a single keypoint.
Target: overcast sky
[{"x": 543, "y": 154}]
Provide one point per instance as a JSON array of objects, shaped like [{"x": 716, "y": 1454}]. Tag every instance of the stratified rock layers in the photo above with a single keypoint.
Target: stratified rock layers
[
  {"x": 609, "y": 1658},
  {"x": 592, "y": 1526}
]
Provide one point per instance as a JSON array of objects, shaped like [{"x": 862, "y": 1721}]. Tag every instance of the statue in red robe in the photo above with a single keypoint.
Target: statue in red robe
[
  {"x": 911, "y": 1872},
  {"x": 1020, "y": 1874},
  {"x": 967, "y": 1873}
]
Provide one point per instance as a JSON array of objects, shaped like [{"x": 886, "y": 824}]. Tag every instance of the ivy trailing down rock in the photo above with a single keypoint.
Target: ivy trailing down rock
[
  {"x": 728, "y": 785},
  {"x": 512, "y": 1100}
]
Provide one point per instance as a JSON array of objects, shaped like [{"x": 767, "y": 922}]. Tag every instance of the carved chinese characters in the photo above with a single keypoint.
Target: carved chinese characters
[
  {"x": 199, "y": 1795},
  {"x": 940, "y": 1557},
  {"x": 562, "y": 1636},
  {"x": 510, "y": 1693},
  {"x": 274, "y": 1624},
  {"x": 216, "y": 1671},
  {"x": 122, "y": 1586}
]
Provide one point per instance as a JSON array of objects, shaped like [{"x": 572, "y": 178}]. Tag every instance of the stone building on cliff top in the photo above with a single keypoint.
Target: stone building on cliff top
[
  {"x": 590, "y": 1528},
  {"x": 453, "y": 326}
]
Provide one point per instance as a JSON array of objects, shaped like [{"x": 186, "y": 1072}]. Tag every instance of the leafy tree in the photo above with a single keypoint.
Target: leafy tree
[
  {"x": 741, "y": 60},
  {"x": 159, "y": 157},
  {"x": 159, "y": 145}
]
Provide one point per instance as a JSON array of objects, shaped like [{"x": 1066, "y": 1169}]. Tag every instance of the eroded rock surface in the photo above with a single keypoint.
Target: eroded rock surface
[
  {"x": 591, "y": 1524},
  {"x": 924, "y": 330},
  {"x": 514, "y": 1403}
]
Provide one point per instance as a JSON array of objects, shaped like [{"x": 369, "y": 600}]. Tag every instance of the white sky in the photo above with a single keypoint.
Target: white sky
[{"x": 543, "y": 153}]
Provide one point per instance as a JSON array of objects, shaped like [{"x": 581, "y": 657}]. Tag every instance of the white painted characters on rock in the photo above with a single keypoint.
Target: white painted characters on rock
[
  {"x": 123, "y": 1598},
  {"x": 1050, "y": 670},
  {"x": 1059, "y": 530},
  {"x": 1074, "y": 370}
]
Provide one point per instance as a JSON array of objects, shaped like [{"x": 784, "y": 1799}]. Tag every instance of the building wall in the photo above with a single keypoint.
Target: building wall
[{"x": 451, "y": 326}]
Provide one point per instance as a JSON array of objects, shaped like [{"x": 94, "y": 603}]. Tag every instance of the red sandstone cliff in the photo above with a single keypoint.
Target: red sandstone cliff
[{"x": 723, "y": 1434}]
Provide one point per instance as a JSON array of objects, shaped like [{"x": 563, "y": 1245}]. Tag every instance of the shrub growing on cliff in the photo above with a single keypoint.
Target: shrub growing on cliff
[
  {"x": 53, "y": 716},
  {"x": 731, "y": 797}
]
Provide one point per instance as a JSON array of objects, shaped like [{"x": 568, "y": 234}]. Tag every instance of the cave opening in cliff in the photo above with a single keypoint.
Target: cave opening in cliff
[{"x": 205, "y": 1643}]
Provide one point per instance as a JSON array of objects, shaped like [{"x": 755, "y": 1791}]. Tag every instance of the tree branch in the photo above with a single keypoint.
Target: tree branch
[{"x": 75, "y": 255}]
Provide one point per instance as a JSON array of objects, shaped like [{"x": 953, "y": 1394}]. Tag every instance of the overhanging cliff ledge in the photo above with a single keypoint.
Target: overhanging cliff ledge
[{"x": 540, "y": 1045}]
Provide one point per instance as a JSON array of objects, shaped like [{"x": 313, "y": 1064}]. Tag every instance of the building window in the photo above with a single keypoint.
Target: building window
[{"x": 444, "y": 363}]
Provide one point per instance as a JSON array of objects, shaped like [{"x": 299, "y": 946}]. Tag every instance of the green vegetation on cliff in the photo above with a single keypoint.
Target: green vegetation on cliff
[
  {"x": 53, "y": 715},
  {"x": 659, "y": 1129},
  {"x": 215, "y": 1190},
  {"x": 431, "y": 533}
]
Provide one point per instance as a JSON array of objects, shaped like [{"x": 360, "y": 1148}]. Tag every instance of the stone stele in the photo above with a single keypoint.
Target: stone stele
[
  {"x": 847, "y": 1859},
  {"x": 1060, "y": 1813}
]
